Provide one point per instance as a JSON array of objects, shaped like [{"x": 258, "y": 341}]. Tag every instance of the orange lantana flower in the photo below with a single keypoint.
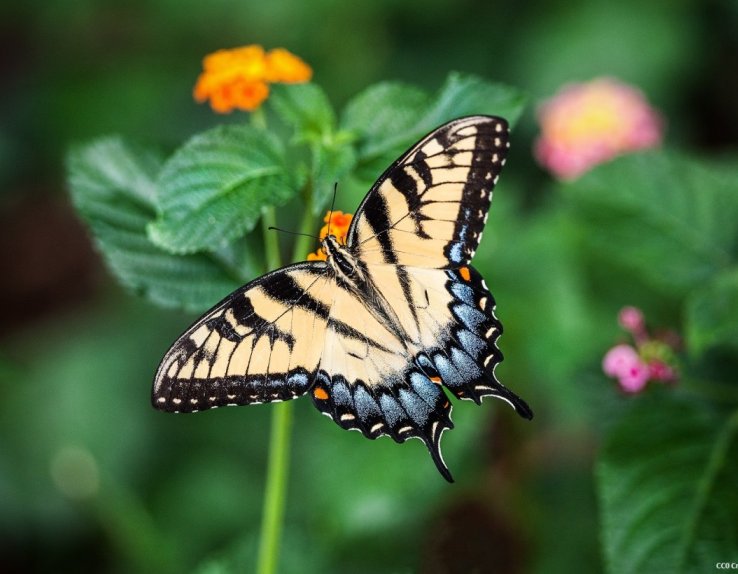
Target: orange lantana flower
[
  {"x": 239, "y": 78},
  {"x": 339, "y": 223}
]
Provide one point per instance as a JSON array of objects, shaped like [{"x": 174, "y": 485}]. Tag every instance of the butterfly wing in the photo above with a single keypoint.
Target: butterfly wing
[
  {"x": 260, "y": 344},
  {"x": 429, "y": 208},
  {"x": 414, "y": 236},
  {"x": 367, "y": 380}
]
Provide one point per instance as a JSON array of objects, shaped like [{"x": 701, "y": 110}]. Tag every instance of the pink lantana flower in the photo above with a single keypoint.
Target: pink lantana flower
[
  {"x": 590, "y": 123},
  {"x": 650, "y": 359}
]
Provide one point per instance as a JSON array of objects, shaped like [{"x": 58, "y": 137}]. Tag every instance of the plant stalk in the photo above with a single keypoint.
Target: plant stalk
[{"x": 275, "y": 495}]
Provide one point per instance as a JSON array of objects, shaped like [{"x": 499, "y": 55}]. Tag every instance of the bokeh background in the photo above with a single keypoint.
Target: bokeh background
[{"x": 94, "y": 480}]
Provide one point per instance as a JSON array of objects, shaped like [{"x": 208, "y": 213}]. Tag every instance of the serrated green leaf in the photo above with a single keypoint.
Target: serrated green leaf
[
  {"x": 669, "y": 218},
  {"x": 382, "y": 110},
  {"x": 416, "y": 115},
  {"x": 666, "y": 478},
  {"x": 112, "y": 187},
  {"x": 712, "y": 314},
  {"x": 214, "y": 188},
  {"x": 306, "y": 108},
  {"x": 466, "y": 94}
]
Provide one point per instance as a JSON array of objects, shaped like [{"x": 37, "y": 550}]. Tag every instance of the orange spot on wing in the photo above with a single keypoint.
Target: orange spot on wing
[
  {"x": 320, "y": 393},
  {"x": 465, "y": 273},
  {"x": 445, "y": 406},
  {"x": 436, "y": 379}
]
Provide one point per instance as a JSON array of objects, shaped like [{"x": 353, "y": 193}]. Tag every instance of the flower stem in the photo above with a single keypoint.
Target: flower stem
[{"x": 275, "y": 494}]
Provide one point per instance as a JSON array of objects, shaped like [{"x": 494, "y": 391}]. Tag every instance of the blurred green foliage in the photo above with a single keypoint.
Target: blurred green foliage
[{"x": 91, "y": 479}]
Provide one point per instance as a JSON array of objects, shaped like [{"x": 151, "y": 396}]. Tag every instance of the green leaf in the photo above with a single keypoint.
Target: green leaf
[
  {"x": 466, "y": 94},
  {"x": 389, "y": 118},
  {"x": 112, "y": 187},
  {"x": 213, "y": 189},
  {"x": 382, "y": 110},
  {"x": 666, "y": 217},
  {"x": 667, "y": 488},
  {"x": 331, "y": 163},
  {"x": 712, "y": 314},
  {"x": 306, "y": 108}
]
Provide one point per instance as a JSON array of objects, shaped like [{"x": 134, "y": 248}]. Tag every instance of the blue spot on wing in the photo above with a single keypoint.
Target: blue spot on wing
[
  {"x": 366, "y": 407},
  {"x": 417, "y": 409},
  {"x": 393, "y": 413}
]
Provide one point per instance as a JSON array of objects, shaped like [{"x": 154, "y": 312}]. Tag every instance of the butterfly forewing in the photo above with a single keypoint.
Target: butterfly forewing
[
  {"x": 429, "y": 208},
  {"x": 257, "y": 345}
]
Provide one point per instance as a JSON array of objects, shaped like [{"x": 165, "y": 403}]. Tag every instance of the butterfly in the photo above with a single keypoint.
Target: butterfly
[{"x": 379, "y": 332}]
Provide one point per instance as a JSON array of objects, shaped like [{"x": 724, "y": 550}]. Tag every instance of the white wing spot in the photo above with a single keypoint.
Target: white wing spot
[
  {"x": 193, "y": 401},
  {"x": 376, "y": 427},
  {"x": 405, "y": 429},
  {"x": 487, "y": 360},
  {"x": 488, "y": 334},
  {"x": 176, "y": 401},
  {"x": 231, "y": 397},
  {"x": 495, "y": 158},
  {"x": 211, "y": 399},
  {"x": 498, "y": 141},
  {"x": 161, "y": 400},
  {"x": 347, "y": 417},
  {"x": 483, "y": 303},
  {"x": 498, "y": 128}
]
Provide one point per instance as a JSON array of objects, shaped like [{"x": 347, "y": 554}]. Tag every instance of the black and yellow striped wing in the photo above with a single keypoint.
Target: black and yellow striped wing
[
  {"x": 430, "y": 207},
  {"x": 378, "y": 348},
  {"x": 260, "y": 344}
]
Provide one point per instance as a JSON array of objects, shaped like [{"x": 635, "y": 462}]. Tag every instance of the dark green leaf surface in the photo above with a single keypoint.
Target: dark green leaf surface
[
  {"x": 667, "y": 489},
  {"x": 685, "y": 209},
  {"x": 305, "y": 107},
  {"x": 112, "y": 186},
  {"x": 213, "y": 189},
  {"x": 390, "y": 117},
  {"x": 712, "y": 314}
]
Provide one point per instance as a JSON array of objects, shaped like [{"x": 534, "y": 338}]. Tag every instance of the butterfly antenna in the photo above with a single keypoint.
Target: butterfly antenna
[
  {"x": 333, "y": 203},
  {"x": 294, "y": 233}
]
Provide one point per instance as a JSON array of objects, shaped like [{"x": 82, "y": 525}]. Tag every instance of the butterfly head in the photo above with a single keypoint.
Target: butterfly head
[{"x": 340, "y": 259}]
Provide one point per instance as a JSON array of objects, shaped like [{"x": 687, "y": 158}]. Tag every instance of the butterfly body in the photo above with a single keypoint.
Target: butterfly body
[{"x": 385, "y": 326}]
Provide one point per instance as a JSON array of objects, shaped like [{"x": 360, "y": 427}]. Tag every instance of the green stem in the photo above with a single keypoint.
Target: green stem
[
  {"x": 276, "y": 488},
  {"x": 271, "y": 241},
  {"x": 275, "y": 494},
  {"x": 303, "y": 243}
]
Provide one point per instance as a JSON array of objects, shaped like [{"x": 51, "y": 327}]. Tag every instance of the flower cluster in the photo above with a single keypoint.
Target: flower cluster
[
  {"x": 338, "y": 224},
  {"x": 590, "y": 123},
  {"x": 651, "y": 359},
  {"x": 240, "y": 78}
]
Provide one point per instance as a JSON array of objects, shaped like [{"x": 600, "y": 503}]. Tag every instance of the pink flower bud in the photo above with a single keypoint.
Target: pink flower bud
[
  {"x": 631, "y": 319},
  {"x": 660, "y": 371}
]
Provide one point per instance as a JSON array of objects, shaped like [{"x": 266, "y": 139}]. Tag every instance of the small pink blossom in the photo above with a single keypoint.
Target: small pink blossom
[
  {"x": 619, "y": 360},
  {"x": 635, "y": 377},
  {"x": 590, "y": 123},
  {"x": 649, "y": 359}
]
